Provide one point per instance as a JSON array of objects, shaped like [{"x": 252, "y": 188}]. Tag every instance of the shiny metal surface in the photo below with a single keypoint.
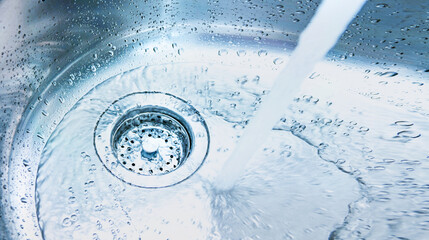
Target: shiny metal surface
[{"x": 43, "y": 41}]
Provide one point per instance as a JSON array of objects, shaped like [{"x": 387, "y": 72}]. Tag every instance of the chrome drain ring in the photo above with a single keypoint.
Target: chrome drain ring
[{"x": 151, "y": 139}]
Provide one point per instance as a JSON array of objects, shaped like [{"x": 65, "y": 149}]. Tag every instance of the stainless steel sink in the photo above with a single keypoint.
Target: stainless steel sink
[{"x": 364, "y": 111}]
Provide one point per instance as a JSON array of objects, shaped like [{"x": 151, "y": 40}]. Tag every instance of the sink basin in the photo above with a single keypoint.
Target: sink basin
[{"x": 348, "y": 160}]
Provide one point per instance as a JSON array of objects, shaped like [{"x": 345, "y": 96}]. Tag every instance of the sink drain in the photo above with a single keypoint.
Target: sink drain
[{"x": 151, "y": 139}]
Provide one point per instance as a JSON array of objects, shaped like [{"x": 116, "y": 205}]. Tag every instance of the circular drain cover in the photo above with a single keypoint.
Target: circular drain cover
[{"x": 151, "y": 139}]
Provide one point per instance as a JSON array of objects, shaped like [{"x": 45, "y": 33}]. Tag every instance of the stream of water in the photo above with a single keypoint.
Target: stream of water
[
  {"x": 326, "y": 169},
  {"x": 326, "y": 26}
]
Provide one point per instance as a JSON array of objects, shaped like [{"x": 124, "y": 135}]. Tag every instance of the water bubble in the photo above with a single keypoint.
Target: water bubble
[
  {"x": 155, "y": 49},
  {"x": 180, "y": 51},
  {"x": 24, "y": 200}
]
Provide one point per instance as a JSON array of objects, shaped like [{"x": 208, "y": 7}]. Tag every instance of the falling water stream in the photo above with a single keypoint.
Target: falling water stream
[
  {"x": 242, "y": 213},
  {"x": 205, "y": 130},
  {"x": 327, "y": 25}
]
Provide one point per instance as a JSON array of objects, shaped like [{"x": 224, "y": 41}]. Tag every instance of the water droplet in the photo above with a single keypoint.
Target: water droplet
[
  {"x": 40, "y": 136},
  {"x": 407, "y": 134},
  {"x": 66, "y": 222},
  {"x": 363, "y": 129},
  {"x": 278, "y": 61},
  {"x": 314, "y": 75},
  {"x": 93, "y": 68},
  {"x": 256, "y": 79},
  {"x": 241, "y": 53},
  {"x": 222, "y": 52},
  {"x": 86, "y": 158},
  {"x": 388, "y": 160},
  {"x": 381, "y": 5},
  {"x": 387, "y": 74},
  {"x": 72, "y": 200},
  {"x": 180, "y": 51},
  {"x": 404, "y": 123},
  {"x": 262, "y": 53}
]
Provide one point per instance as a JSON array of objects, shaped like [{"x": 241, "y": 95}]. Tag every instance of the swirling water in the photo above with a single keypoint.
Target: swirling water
[
  {"x": 321, "y": 174},
  {"x": 78, "y": 198},
  {"x": 348, "y": 160}
]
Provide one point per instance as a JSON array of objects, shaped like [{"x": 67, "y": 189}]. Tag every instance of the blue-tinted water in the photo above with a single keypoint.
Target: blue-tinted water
[
  {"x": 347, "y": 160},
  {"x": 79, "y": 198}
]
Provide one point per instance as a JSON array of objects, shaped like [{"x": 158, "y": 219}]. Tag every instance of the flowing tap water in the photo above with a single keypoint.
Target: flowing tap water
[
  {"x": 125, "y": 138},
  {"x": 327, "y": 25}
]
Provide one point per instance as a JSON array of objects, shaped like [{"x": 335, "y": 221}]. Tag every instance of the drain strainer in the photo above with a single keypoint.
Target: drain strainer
[{"x": 151, "y": 139}]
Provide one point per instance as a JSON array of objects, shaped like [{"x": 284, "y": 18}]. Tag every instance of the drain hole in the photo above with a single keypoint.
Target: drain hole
[
  {"x": 153, "y": 137},
  {"x": 146, "y": 139}
]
